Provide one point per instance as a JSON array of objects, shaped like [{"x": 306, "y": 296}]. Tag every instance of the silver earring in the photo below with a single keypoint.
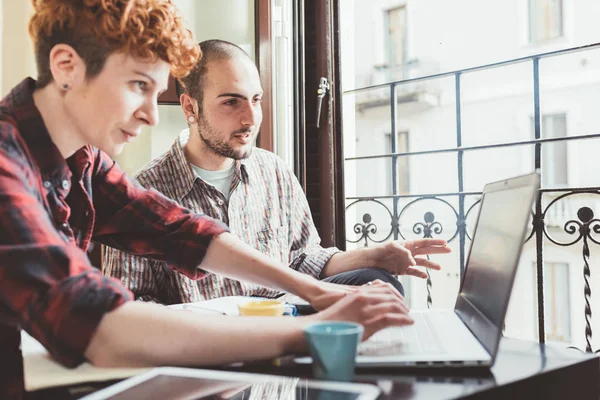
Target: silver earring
[
  {"x": 65, "y": 87},
  {"x": 191, "y": 119}
]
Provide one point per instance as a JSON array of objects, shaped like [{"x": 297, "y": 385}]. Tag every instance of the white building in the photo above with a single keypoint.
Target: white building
[{"x": 394, "y": 40}]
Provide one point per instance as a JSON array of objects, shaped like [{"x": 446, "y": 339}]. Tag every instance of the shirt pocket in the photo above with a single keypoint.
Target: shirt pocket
[{"x": 274, "y": 243}]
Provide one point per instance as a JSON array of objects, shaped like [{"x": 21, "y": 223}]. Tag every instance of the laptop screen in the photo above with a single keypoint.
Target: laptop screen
[{"x": 495, "y": 250}]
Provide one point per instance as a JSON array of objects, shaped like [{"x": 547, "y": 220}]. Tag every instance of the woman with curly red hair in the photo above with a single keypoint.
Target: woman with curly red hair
[{"x": 101, "y": 65}]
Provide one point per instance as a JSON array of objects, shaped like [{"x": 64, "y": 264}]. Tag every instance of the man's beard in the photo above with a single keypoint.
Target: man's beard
[{"x": 209, "y": 136}]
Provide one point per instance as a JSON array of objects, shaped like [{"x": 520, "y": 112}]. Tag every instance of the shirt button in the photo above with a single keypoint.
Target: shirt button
[
  {"x": 65, "y": 184},
  {"x": 47, "y": 184}
]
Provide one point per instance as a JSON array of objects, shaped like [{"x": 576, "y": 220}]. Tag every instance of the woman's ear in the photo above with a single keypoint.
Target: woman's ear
[{"x": 67, "y": 68}]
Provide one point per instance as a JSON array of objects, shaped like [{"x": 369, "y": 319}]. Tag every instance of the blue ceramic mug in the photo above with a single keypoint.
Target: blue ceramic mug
[{"x": 333, "y": 346}]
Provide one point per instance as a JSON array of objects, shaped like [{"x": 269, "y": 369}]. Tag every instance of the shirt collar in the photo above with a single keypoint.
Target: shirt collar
[
  {"x": 33, "y": 131},
  {"x": 184, "y": 168}
]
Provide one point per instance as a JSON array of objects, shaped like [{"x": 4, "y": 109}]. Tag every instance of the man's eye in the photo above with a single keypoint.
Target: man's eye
[
  {"x": 258, "y": 100},
  {"x": 230, "y": 102}
]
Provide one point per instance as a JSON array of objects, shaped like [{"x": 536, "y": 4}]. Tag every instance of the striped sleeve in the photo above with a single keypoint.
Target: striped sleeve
[
  {"x": 138, "y": 274},
  {"x": 307, "y": 255}
]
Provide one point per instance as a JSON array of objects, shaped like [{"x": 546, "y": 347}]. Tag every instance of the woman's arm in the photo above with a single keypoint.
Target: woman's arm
[{"x": 144, "y": 334}]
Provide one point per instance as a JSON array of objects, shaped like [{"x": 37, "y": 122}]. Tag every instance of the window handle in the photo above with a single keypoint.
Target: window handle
[{"x": 324, "y": 86}]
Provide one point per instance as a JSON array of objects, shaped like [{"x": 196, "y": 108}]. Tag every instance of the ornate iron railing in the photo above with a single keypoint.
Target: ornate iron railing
[{"x": 581, "y": 227}]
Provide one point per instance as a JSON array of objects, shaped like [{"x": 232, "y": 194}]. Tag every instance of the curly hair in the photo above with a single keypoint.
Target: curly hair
[{"x": 145, "y": 29}]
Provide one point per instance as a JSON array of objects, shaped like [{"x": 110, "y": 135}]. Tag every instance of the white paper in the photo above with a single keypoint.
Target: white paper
[{"x": 227, "y": 305}]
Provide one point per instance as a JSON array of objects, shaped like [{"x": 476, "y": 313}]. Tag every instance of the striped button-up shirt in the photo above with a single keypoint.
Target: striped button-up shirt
[
  {"x": 48, "y": 216},
  {"x": 267, "y": 209}
]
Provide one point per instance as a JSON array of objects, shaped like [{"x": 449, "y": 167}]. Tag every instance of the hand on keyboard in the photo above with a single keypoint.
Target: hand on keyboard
[
  {"x": 329, "y": 293},
  {"x": 374, "y": 307}
]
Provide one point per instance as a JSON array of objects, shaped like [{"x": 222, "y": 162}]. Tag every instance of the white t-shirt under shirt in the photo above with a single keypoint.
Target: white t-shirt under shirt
[{"x": 219, "y": 179}]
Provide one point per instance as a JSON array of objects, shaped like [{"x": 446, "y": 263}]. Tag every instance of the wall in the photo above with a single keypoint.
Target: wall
[{"x": 17, "y": 52}]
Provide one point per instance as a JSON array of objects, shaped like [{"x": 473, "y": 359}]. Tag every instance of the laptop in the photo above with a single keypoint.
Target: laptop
[{"x": 468, "y": 335}]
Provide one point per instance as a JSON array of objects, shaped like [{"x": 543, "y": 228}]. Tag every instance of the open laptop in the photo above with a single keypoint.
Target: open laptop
[{"x": 470, "y": 334}]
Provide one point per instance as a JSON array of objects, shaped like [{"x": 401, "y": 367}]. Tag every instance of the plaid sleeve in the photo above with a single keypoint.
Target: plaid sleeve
[
  {"x": 148, "y": 224},
  {"x": 47, "y": 285}
]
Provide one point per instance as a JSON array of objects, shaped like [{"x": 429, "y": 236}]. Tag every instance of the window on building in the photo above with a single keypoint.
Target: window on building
[
  {"x": 402, "y": 176},
  {"x": 556, "y": 301},
  {"x": 554, "y": 154},
  {"x": 396, "y": 42},
  {"x": 545, "y": 20}
]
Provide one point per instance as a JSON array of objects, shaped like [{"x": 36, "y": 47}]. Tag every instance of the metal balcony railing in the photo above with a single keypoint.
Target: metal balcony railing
[{"x": 580, "y": 229}]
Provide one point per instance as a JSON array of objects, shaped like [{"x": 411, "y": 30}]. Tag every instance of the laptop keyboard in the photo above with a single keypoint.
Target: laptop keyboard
[{"x": 419, "y": 338}]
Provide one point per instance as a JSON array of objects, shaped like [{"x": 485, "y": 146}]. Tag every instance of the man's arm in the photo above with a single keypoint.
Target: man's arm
[
  {"x": 397, "y": 257},
  {"x": 306, "y": 254},
  {"x": 310, "y": 258}
]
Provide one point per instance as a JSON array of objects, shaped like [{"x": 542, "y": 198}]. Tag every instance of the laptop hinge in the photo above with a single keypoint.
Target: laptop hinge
[{"x": 484, "y": 330}]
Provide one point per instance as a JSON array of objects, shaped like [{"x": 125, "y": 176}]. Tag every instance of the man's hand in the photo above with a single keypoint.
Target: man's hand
[
  {"x": 372, "y": 306},
  {"x": 398, "y": 257}
]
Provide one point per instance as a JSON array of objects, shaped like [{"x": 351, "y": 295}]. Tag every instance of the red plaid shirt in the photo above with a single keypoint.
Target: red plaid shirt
[{"x": 48, "y": 217}]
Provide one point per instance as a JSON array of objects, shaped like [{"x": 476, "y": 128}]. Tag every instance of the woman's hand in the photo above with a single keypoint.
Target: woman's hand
[{"x": 373, "y": 306}]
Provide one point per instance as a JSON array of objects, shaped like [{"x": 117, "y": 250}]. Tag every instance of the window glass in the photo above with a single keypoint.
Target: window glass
[{"x": 545, "y": 20}]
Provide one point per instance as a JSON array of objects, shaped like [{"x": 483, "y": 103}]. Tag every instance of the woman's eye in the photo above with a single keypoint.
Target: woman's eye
[{"x": 141, "y": 85}]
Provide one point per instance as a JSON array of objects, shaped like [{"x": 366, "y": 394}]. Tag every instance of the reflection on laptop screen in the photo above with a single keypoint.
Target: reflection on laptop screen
[{"x": 495, "y": 250}]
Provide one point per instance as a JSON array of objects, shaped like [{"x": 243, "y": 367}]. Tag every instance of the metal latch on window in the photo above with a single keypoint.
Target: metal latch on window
[{"x": 324, "y": 86}]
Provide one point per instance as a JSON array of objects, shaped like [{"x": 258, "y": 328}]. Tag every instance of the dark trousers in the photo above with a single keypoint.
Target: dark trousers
[{"x": 359, "y": 277}]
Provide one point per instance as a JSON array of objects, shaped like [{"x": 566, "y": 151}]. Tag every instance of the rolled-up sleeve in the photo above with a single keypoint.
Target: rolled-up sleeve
[{"x": 47, "y": 285}]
